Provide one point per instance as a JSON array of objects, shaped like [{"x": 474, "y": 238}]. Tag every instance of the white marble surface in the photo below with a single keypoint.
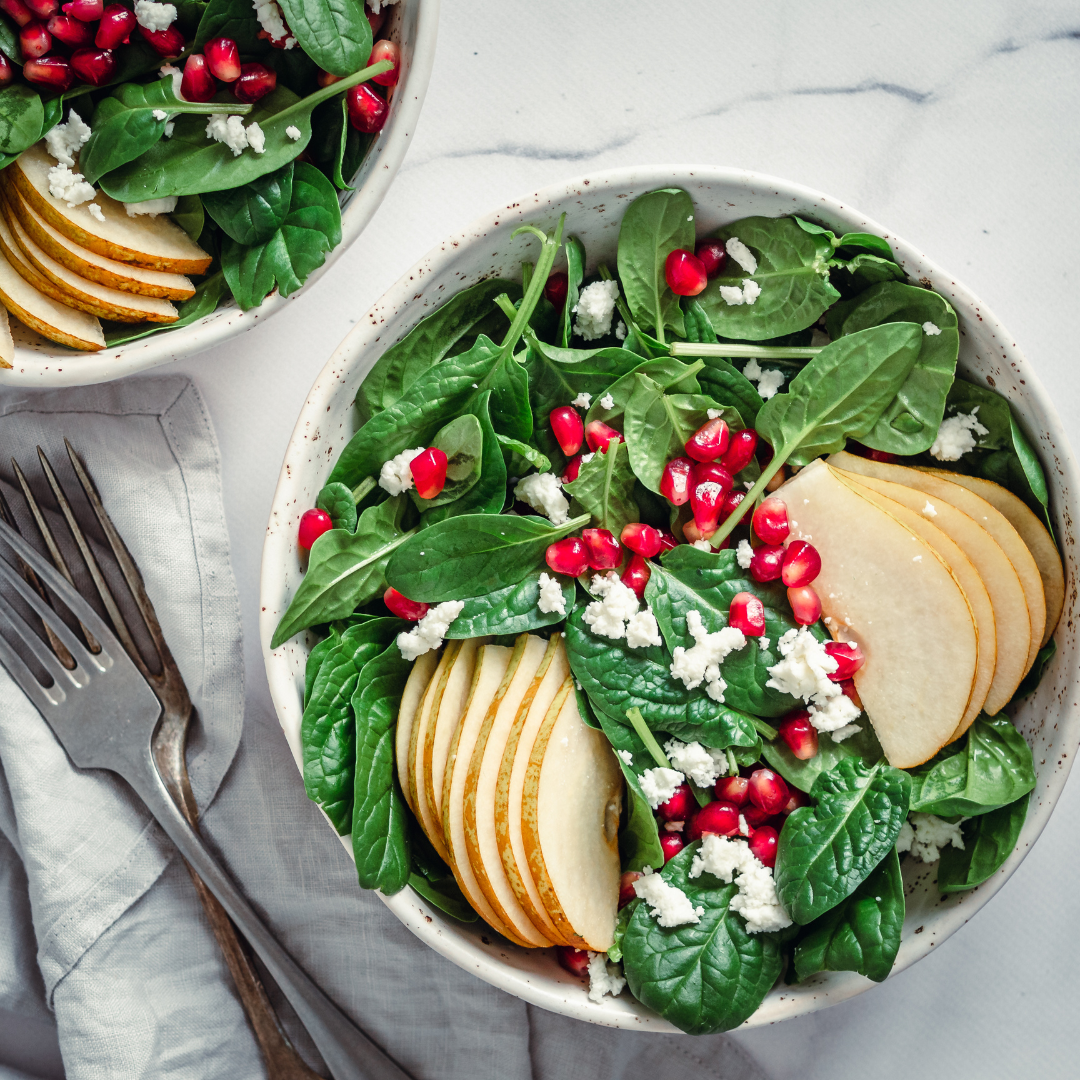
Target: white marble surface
[{"x": 954, "y": 124}]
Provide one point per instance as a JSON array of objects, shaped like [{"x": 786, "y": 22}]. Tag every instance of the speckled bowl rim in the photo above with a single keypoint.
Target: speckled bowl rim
[
  {"x": 417, "y": 24},
  {"x": 1049, "y": 718}
]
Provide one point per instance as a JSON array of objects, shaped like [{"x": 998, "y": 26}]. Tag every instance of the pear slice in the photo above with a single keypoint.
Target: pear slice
[
  {"x": 481, "y": 777},
  {"x": 157, "y": 243},
  {"x": 90, "y": 265},
  {"x": 910, "y": 618},
  {"x": 1032, "y": 531},
  {"x": 7, "y": 343},
  {"x": 570, "y": 821},
  {"x": 412, "y": 697},
  {"x": 550, "y": 675},
  {"x": 996, "y": 524}
]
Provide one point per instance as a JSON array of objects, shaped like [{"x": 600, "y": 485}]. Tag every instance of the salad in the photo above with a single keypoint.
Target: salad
[
  {"x": 144, "y": 145},
  {"x": 661, "y": 611}
]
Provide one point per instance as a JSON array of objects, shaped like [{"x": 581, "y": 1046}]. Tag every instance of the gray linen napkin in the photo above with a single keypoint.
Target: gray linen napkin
[{"x": 99, "y": 923}]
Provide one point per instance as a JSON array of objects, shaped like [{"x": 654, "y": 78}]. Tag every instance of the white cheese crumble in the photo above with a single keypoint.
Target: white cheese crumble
[
  {"x": 543, "y": 492},
  {"x": 607, "y": 402},
  {"x": 620, "y": 331},
  {"x": 256, "y": 138},
  {"x": 744, "y": 554},
  {"x": 763, "y": 643},
  {"x": 930, "y": 329},
  {"x": 377, "y": 5},
  {"x": 604, "y": 978},
  {"x": 769, "y": 380},
  {"x": 956, "y": 436},
  {"x": 670, "y": 905},
  {"x": 395, "y": 476},
  {"x": 804, "y": 673},
  {"x": 229, "y": 130},
  {"x": 924, "y": 835},
  {"x": 551, "y": 596},
  {"x": 741, "y": 254},
  {"x": 642, "y": 631},
  {"x": 582, "y": 401},
  {"x": 152, "y": 207},
  {"x": 702, "y": 545},
  {"x": 65, "y": 140},
  {"x": 170, "y": 127},
  {"x": 95, "y": 211},
  {"x": 154, "y": 17},
  {"x": 617, "y": 614},
  {"x": 928, "y": 510},
  {"x": 430, "y": 630},
  {"x": 273, "y": 22},
  {"x": 293, "y": 132},
  {"x": 160, "y": 114},
  {"x": 627, "y": 757},
  {"x": 757, "y": 900},
  {"x": 69, "y": 186},
  {"x": 701, "y": 662},
  {"x": 701, "y": 763},
  {"x": 177, "y": 76},
  {"x": 659, "y": 784},
  {"x": 595, "y": 308}
]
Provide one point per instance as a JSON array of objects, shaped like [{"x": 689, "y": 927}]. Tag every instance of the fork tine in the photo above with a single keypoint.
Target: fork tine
[
  {"x": 46, "y": 657},
  {"x": 18, "y": 670}
]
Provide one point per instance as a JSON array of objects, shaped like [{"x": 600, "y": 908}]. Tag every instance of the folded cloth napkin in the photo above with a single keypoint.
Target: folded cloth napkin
[{"x": 100, "y": 927}]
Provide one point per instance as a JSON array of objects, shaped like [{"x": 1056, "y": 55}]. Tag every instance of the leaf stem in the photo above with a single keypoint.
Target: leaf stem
[
  {"x": 620, "y": 302},
  {"x": 757, "y": 352},
  {"x": 637, "y": 722},
  {"x": 764, "y": 729},
  {"x": 531, "y": 298},
  {"x": 306, "y": 104},
  {"x": 732, "y": 764},
  {"x": 770, "y": 470},
  {"x": 363, "y": 489},
  {"x": 506, "y": 306}
]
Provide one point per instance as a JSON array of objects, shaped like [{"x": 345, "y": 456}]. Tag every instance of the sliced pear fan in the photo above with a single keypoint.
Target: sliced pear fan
[
  {"x": 411, "y": 699},
  {"x": 7, "y": 344}
]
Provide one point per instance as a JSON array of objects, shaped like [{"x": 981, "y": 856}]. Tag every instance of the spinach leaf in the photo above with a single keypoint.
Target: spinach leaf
[
  {"x": 510, "y": 610},
  {"x": 860, "y": 934},
  {"x": 622, "y": 921},
  {"x": 315, "y": 659},
  {"x": 334, "y": 33},
  {"x": 380, "y": 839},
  {"x": 802, "y": 774},
  {"x": 530, "y": 456},
  {"x": 337, "y": 501},
  {"x": 990, "y": 767},
  {"x": 462, "y": 441},
  {"x": 988, "y": 841},
  {"x": 234, "y": 19},
  {"x": 855, "y": 275},
  {"x": 828, "y": 849},
  {"x": 251, "y": 214},
  {"x": 575, "y": 274},
  {"x": 1031, "y": 680},
  {"x": 858, "y": 241},
  {"x": 722, "y": 380},
  {"x": 22, "y": 118},
  {"x": 345, "y": 569},
  {"x": 706, "y": 976},
  {"x": 471, "y": 555},
  {"x": 433, "y": 879},
  {"x": 189, "y": 215},
  {"x": 666, "y": 372},
  {"x": 792, "y": 272},
  {"x": 9, "y": 41},
  {"x": 654, "y": 225},
  {"x": 910, "y": 422},
  {"x": 605, "y": 488},
  {"x": 208, "y": 295}
]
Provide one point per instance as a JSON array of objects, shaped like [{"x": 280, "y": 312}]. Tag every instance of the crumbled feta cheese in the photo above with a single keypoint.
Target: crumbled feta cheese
[
  {"x": 929, "y": 510},
  {"x": 763, "y": 643},
  {"x": 751, "y": 290},
  {"x": 714, "y": 414},
  {"x": 543, "y": 492},
  {"x": 586, "y": 458},
  {"x": 170, "y": 127},
  {"x": 702, "y": 545},
  {"x": 151, "y": 207},
  {"x": 273, "y": 22},
  {"x": 620, "y": 331},
  {"x": 741, "y": 254},
  {"x": 804, "y": 673},
  {"x": 256, "y": 138},
  {"x": 69, "y": 186},
  {"x": 551, "y": 596},
  {"x": 65, "y": 140},
  {"x": 930, "y": 329},
  {"x": 642, "y": 631},
  {"x": 582, "y": 401},
  {"x": 670, "y": 905},
  {"x": 627, "y": 757},
  {"x": 607, "y": 402},
  {"x": 95, "y": 211},
  {"x": 377, "y": 5},
  {"x": 395, "y": 476},
  {"x": 701, "y": 763},
  {"x": 924, "y": 835},
  {"x": 618, "y": 604},
  {"x": 701, "y": 662},
  {"x": 154, "y": 17},
  {"x": 731, "y": 295},
  {"x": 229, "y": 130},
  {"x": 955, "y": 436},
  {"x": 604, "y": 978},
  {"x": 595, "y": 308},
  {"x": 769, "y": 380},
  {"x": 659, "y": 784},
  {"x": 430, "y": 630},
  {"x": 293, "y": 132},
  {"x": 744, "y": 554},
  {"x": 757, "y": 900},
  {"x": 840, "y": 734},
  {"x": 177, "y": 76},
  {"x": 160, "y": 114},
  {"x": 905, "y": 838}
]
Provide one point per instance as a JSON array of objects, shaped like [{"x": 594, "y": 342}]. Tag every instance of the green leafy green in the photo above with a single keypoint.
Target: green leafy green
[
  {"x": 233, "y": 19},
  {"x": 189, "y": 215},
  {"x": 605, "y": 488},
  {"x": 802, "y": 774},
  {"x": 575, "y": 274},
  {"x": 669, "y": 374},
  {"x": 529, "y": 456},
  {"x": 1031, "y": 680},
  {"x": 989, "y": 840},
  {"x": 252, "y": 213},
  {"x": 462, "y": 441},
  {"x": 337, "y": 501},
  {"x": 9, "y": 41},
  {"x": 208, "y": 295},
  {"x": 334, "y": 33},
  {"x": 315, "y": 659},
  {"x": 433, "y": 879},
  {"x": 510, "y": 610},
  {"x": 22, "y": 119}
]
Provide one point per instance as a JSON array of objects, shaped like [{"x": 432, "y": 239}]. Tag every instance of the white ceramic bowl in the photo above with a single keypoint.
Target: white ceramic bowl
[
  {"x": 414, "y": 25},
  {"x": 594, "y": 207}
]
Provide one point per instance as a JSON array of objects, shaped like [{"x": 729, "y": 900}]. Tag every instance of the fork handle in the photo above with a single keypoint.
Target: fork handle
[{"x": 348, "y": 1052}]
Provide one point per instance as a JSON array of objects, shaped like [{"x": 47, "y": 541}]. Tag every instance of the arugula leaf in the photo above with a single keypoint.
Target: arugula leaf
[
  {"x": 988, "y": 841},
  {"x": 703, "y": 977},
  {"x": 252, "y": 213},
  {"x": 605, "y": 488},
  {"x": 666, "y": 372},
  {"x": 337, "y": 501},
  {"x": 334, "y": 33},
  {"x": 318, "y": 654},
  {"x": 802, "y": 774},
  {"x": 828, "y": 849},
  {"x": 510, "y": 610},
  {"x": 208, "y": 295},
  {"x": 860, "y": 934},
  {"x": 575, "y": 274}
]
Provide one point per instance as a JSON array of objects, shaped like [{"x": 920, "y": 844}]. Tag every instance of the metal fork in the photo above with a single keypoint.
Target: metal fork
[{"x": 109, "y": 711}]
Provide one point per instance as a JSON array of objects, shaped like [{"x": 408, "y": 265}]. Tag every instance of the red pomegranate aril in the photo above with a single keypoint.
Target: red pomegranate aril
[
  {"x": 85, "y": 10},
  {"x": 197, "y": 84},
  {"x": 763, "y": 844},
  {"x": 796, "y": 800},
  {"x": 685, "y": 273},
  {"x": 768, "y": 790},
  {"x": 43, "y": 9},
  {"x": 709, "y": 441},
  {"x": 848, "y": 657},
  {"x": 712, "y": 255},
  {"x": 719, "y": 818},
  {"x": 600, "y": 436},
  {"x": 740, "y": 451},
  {"x": 313, "y": 524},
  {"x": 873, "y": 455},
  {"x": 802, "y": 564},
  {"x": 680, "y": 807},
  {"x": 569, "y": 556},
  {"x": 6, "y": 71},
  {"x": 167, "y": 43},
  {"x": 642, "y": 539},
  {"x": 326, "y": 78},
  {"x": 800, "y": 735},
  {"x": 429, "y": 472},
  {"x": 576, "y": 961},
  {"x": 555, "y": 290},
  {"x": 706, "y": 499},
  {"x": 731, "y": 503},
  {"x": 276, "y": 42},
  {"x": 747, "y": 613},
  {"x": 34, "y": 40},
  {"x": 568, "y": 429},
  {"x": 771, "y": 521},
  {"x": 223, "y": 59},
  {"x": 115, "y": 27},
  {"x": 671, "y": 843},
  {"x": 805, "y": 605},
  {"x": 668, "y": 541},
  {"x": 70, "y": 31},
  {"x": 636, "y": 576},
  {"x": 604, "y": 550},
  {"x": 95, "y": 66},
  {"x": 733, "y": 789},
  {"x": 255, "y": 82},
  {"x": 377, "y": 20},
  {"x": 403, "y": 607},
  {"x": 706, "y": 472},
  {"x": 386, "y": 50},
  {"x": 51, "y": 71},
  {"x": 754, "y": 816},
  {"x": 367, "y": 111},
  {"x": 626, "y": 886},
  {"x": 676, "y": 479},
  {"x": 691, "y": 533},
  {"x": 573, "y": 468},
  {"x": 17, "y": 11},
  {"x": 767, "y": 563},
  {"x": 849, "y": 691}
]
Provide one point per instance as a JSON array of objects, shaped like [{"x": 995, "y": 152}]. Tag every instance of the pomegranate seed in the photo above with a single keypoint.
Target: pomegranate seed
[
  {"x": 43, "y": 9},
  {"x": 740, "y": 451},
  {"x": 636, "y": 576},
  {"x": 802, "y": 563},
  {"x": 767, "y": 563},
  {"x": 684, "y": 273},
  {"x": 642, "y": 539},
  {"x": 312, "y": 525},
  {"x": 747, "y": 613},
  {"x": 712, "y": 255},
  {"x": 576, "y": 961},
  {"x": 6, "y": 72},
  {"x": 85, "y": 10},
  {"x": 555, "y": 290},
  {"x": 626, "y": 886},
  {"x": 692, "y": 533},
  {"x": 573, "y": 467},
  {"x": 34, "y": 40},
  {"x": 668, "y": 541},
  {"x": 795, "y": 801},
  {"x": 778, "y": 479},
  {"x": 675, "y": 482},
  {"x": 706, "y": 472},
  {"x": 70, "y": 31},
  {"x": 706, "y": 499},
  {"x": 376, "y": 20},
  {"x": 568, "y": 429},
  {"x": 719, "y": 818},
  {"x": 805, "y": 605},
  {"x": 731, "y": 502},
  {"x": 851, "y": 693},
  {"x": 51, "y": 71},
  {"x": 276, "y": 42},
  {"x": 709, "y": 441},
  {"x": 325, "y": 78},
  {"x": 197, "y": 84},
  {"x": 386, "y": 50},
  {"x": 115, "y": 27},
  {"x": 768, "y": 790},
  {"x": 848, "y": 657},
  {"x": 604, "y": 550},
  {"x": 223, "y": 59},
  {"x": 800, "y": 735},
  {"x": 873, "y": 455},
  {"x": 429, "y": 472},
  {"x": 94, "y": 66},
  {"x": 17, "y": 11},
  {"x": 680, "y": 807},
  {"x": 755, "y": 816},
  {"x": 733, "y": 789},
  {"x": 600, "y": 436},
  {"x": 569, "y": 556},
  {"x": 167, "y": 43},
  {"x": 367, "y": 111},
  {"x": 256, "y": 81},
  {"x": 763, "y": 844},
  {"x": 771, "y": 521},
  {"x": 403, "y": 607},
  {"x": 671, "y": 843}
]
